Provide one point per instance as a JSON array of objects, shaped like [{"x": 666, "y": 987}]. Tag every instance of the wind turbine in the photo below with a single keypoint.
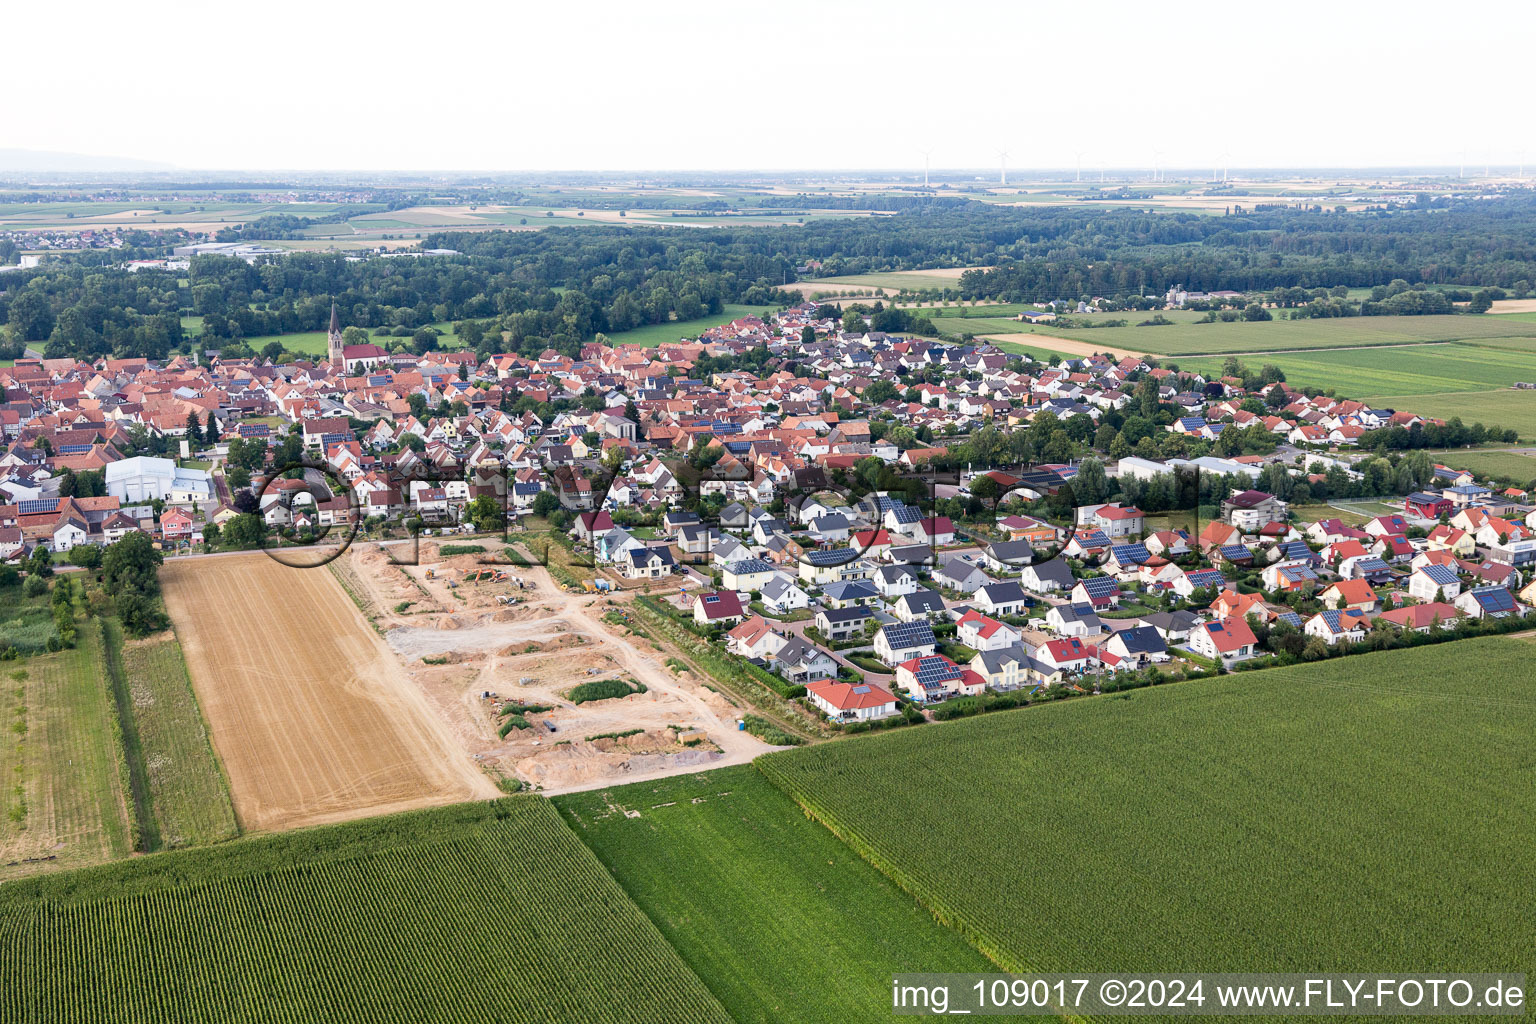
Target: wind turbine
[
  {"x": 1003, "y": 176},
  {"x": 1226, "y": 158},
  {"x": 1157, "y": 165},
  {"x": 1079, "y": 165},
  {"x": 926, "y": 154}
]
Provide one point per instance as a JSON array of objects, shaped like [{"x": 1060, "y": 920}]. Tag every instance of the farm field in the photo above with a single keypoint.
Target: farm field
[
  {"x": 1408, "y": 370},
  {"x": 311, "y": 717},
  {"x": 1371, "y": 809},
  {"x": 314, "y": 342},
  {"x": 891, "y": 281},
  {"x": 479, "y": 912},
  {"x": 1502, "y": 408},
  {"x": 652, "y": 335},
  {"x": 184, "y": 798},
  {"x": 780, "y": 919},
  {"x": 61, "y": 787},
  {"x": 1518, "y": 466},
  {"x": 1180, "y": 339}
]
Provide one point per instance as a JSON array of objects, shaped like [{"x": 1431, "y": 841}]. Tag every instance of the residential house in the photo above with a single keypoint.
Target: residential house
[
  {"x": 901, "y": 641},
  {"x": 1228, "y": 640},
  {"x": 851, "y": 702}
]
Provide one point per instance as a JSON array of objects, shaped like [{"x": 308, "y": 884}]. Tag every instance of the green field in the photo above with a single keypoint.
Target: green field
[
  {"x": 60, "y": 777},
  {"x": 1180, "y": 339},
  {"x": 479, "y": 912},
  {"x": 1370, "y": 810},
  {"x": 893, "y": 281},
  {"x": 669, "y": 333},
  {"x": 1513, "y": 465},
  {"x": 781, "y": 920},
  {"x": 313, "y": 342},
  {"x": 1502, "y": 408},
  {"x": 1406, "y": 370},
  {"x": 184, "y": 798}
]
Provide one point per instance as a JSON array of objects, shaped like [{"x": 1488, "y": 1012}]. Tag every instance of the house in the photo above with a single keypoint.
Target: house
[
  {"x": 1097, "y": 592},
  {"x": 1168, "y": 543},
  {"x": 830, "y": 528},
  {"x": 781, "y": 595},
  {"x": 1422, "y": 618},
  {"x": 1488, "y": 603},
  {"x": 1350, "y": 594},
  {"x": 175, "y": 525},
  {"x": 897, "y": 642},
  {"x": 1432, "y": 583},
  {"x": 841, "y": 595},
  {"x": 1250, "y": 511},
  {"x": 963, "y": 576},
  {"x": 1073, "y": 620},
  {"x": 748, "y": 575},
  {"x": 1119, "y": 521},
  {"x": 1036, "y": 532},
  {"x": 1008, "y": 556},
  {"x": 1140, "y": 645},
  {"x": 592, "y": 524},
  {"x": 641, "y": 563},
  {"x": 895, "y": 580},
  {"x": 1047, "y": 577},
  {"x": 918, "y": 606},
  {"x": 934, "y": 677},
  {"x": 1424, "y": 505},
  {"x": 697, "y": 540},
  {"x": 1336, "y": 626},
  {"x": 717, "y": 608},
  {"x": 801, "y": 661},
  {"x": 851, "y": 702},
  {"x": 1005, "y": 598},
  {"x": 1200, "y": 579},
  {"x": 1447, "y": 538},
  {"x": 1229, "y": 640},
  {"x": 981, "y": 633},
  {"x": 937, "y": 531},
  {"x": 1006, "y": 668},
  {"x": 1173, "y": 627},
  {"x": 842, "y": 623},
  {"x": 754, "y": 638}
]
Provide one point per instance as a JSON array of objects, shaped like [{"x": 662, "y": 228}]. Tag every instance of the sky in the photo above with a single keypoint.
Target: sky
[{"x": 482, "y": 85}]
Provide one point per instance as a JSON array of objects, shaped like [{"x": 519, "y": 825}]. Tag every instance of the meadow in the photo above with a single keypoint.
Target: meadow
[
  {"x": 1511, "y": 465},
  {"x": 652, "y": 335},
  {"x": 62, "y": 777},
  {"x": 1363, "y": 811},
  {"x": 1502, "y": 408},
  {"x": 487, "y": 911},
  {"x": 1189, "y": 338},
  {"x": 780, "y": 919},
  {"x": 177, "y": 782},
  {"x": 1404, "y": 370}
]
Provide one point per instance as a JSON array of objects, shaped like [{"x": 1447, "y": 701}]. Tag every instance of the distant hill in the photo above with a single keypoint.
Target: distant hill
[{"x": 43, "y": 160}]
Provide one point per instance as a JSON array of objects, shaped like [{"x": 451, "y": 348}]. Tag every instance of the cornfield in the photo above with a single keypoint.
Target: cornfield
[
  {"x": 485, "y": 912},
  {"x": 1370, "y": 813}
]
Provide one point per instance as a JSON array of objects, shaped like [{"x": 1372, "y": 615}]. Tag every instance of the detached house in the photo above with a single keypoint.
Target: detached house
[{"x": 1227, "y": 640}]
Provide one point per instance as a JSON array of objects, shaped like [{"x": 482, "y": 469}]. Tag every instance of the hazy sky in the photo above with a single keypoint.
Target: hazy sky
[{"x": 799, "y": 84}]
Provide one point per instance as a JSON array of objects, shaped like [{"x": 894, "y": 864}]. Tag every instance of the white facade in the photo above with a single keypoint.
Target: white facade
[{"x": 143, "y": 479}]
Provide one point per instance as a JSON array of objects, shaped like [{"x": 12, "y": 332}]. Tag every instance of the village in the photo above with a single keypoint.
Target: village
[{"x": 792, "y": 487}]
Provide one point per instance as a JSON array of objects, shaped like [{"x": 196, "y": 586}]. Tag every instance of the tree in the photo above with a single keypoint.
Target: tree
[
  {"x": 244, "y": 530},
  {"x": 1090, "y": 485},
  {"x": 986, "y": 488},
  {"x": 807, "y": 335},
  {"x": 132, "y": 563},
  {"x": 194, "y": 430},
  {"x": 545, "y": 503},
  {"x": 486, "y": 514},
  {"x": 40, "y": 563}
]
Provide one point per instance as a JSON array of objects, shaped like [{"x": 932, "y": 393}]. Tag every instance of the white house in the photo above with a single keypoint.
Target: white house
[
  {"x": 851, "y": 702},
  {"x": 1430, "y": 583},
  {"x": 144, "y": 478}
]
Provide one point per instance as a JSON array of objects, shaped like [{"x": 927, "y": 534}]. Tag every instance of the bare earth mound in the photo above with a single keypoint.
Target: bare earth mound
[{"x": 312, "y": 717}]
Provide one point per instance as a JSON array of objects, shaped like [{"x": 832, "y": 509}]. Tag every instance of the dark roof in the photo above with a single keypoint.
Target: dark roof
[
  {"x": 843, "y": 616},
  {"x": 901, "y": 635}
]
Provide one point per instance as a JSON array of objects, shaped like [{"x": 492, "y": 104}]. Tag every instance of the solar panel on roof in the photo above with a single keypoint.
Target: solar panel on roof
[
  {"x": 1100, "y": 586},
  {"x": 37, "y": 506},
  {"x": 74, "y": 449}
]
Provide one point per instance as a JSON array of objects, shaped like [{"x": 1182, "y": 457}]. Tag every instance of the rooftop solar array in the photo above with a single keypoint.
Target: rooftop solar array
[
  {"x": 901, "y": 635},
  {"x": 37, "y": 506}
]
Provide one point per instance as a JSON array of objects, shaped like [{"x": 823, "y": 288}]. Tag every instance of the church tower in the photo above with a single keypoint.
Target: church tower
[{"x": 333, "y": 346}]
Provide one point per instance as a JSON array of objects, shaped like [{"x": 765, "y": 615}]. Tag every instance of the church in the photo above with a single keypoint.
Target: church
[{"x": 350, "y": 359}]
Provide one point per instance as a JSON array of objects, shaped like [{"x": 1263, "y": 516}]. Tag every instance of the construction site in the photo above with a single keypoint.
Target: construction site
[{"x": 503, "y": 653}]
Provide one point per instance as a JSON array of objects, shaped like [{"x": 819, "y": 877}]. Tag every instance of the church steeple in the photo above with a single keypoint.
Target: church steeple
[{"x": 334, "y": 349}]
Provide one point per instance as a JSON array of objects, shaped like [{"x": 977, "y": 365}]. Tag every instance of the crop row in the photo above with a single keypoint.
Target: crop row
[
  {"x": 491, "y": 920},
  {"x": 1369, "y": 810}
]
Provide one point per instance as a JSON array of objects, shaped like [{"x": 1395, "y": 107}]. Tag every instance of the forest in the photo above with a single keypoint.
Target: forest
[{"x": 559, "y": 287}]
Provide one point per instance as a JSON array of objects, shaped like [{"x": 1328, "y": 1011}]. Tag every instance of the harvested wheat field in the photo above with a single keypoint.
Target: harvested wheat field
[{"x": 313, "y": 718}]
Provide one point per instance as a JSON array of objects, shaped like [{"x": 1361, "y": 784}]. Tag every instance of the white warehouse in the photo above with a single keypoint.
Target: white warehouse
[{"x": 142, "y": 479}]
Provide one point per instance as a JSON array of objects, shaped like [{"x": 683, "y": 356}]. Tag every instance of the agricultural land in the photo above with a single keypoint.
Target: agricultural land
[
  {"x": 1217, "y": 824},
  {"x": 309, "y": 716}
]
